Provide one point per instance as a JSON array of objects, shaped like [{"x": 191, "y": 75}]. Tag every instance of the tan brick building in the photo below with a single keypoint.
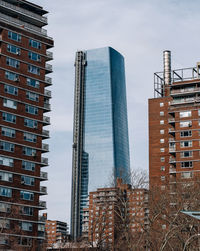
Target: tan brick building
[
  {"x": 56, "y": 232},
  {"x": 113, "y": 210},
  {"x": 24, "y": 101}
]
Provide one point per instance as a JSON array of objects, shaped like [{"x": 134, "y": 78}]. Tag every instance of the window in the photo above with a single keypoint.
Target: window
[
  {"x": 14, "y": 36},
  {"x": 9, "y": 117},
  {"x": 33, "y": 83},
  {"x": 162, "y": 131},
  {"x": 33, "y": 69},
  {"x": 13, "y": 49},
  {"x": 26, "y": 165},
  {"x": 4, "y": 223},
  {"x": 6, "y": 146},
  {"x": 162, "y": 159},
  {"x": 162, "y": 188},
  {"x": 163, "y": 226},
  {"x": 8, "y": 132},
  {"x": 162, "y": 141},
  {"x": 26, "y": 226},
  {"x": 27, "y": 211},
  {"x": 32, "y": 96},
  {"x": 12, "y": 76},
  {"x": 30, "y": 123},
  {"x": 9, "y": 103},
  {"x": 6, "y": 161},
  {"x": 6, "y": 192},
  {"x": 185, "y": 114},
  {"x": 187, "y": 164},
  {"x": 162, "y": 168},
  {"x": 26, "y": 180},
  {"x": 199, "y": 112},
  {"x": 34, "y": 56},
  {"x": 186, "y": 154},
  {"x": 162, "y": 122},
  {"x": 6, "y": 176},
  {"x": 186, "y": 123},
  {"x": 161, "y": 104},
  {"x": 186, "y": 175},
  {"x": 29, "y": 151},
  {"x": 11, "y": 89},
  {"x": 162, "y": 113},
  {"x": 186, "y": 133},
  {"x": 24, "y": 195},
  {"x": 162, "y": 150},
  {"x": 31, "y": 109},
  {"x": 34, "y": 44},
  {"x": 162, "y": 178},
  {"x": 30, "y": 137},
  {"x": 186, "y": 143},
  {"x": 12, "y": 62}
]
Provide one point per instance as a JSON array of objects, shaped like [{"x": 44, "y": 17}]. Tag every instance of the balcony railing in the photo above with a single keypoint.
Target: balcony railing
[
  {"x": 23, "y": 11},
  {"x": 185, "y": 90},
  {"x": 44, "y": 175},
  {"x": 171, "y": 140},
  {"x": 43, "y": 190},
  {"x": 172, "y": 170},
  {"x": 48, "y": 80},
  {"x": 172, "y": 160},
  {"x": 42, "y": 204},
  {"x": 184, "y": 101},
  {"x": 47, "y": 106},
  {"x": 171, "y": 120},
  {"x": 171, "y": 130},
  {"x": 47, "y": 93},
  {"x": 24, "y": 25},
  {"x": 49, "y": 54},
  {"x": 48, "y": 67},
  {"x": 45, "y": 133},
  {"x": 45, "y": 147},
  {"x": 172, "y": 149},
  {"x": 46, "y": 119},
  {"x": 44, "y": 161}
]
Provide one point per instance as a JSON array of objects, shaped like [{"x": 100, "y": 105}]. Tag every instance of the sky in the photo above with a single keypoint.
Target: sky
[{"x": 140, "y": 31}]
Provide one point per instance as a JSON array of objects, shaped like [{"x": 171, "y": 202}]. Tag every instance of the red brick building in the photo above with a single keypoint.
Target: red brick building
[
  {"x": 174, "y": 127},
  {"x": 24, "y": 101},
  {"x": 111, "y": 210}
]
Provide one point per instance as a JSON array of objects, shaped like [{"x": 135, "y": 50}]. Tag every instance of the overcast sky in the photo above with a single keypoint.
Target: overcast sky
[{"x": 140, "y": 30}]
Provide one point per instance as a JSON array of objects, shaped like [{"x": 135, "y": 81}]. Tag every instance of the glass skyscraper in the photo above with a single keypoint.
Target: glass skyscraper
[{"x": 100, "y": 136}]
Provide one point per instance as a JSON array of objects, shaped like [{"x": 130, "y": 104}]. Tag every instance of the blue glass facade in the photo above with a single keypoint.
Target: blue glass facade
[{"x": 104, "y": 137}]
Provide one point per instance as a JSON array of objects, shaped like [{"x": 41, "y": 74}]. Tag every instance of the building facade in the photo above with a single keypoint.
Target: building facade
[
  {"x": 100, "y": 133},
  {"x": 24, "y": 101},
  {"x": 56, "y": 232},
  {"x": 174, "y": 127},
  {"x": 114, "y": 213}
]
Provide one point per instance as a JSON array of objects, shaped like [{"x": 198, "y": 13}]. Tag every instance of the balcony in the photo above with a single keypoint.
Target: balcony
[
  {"x": 47, "y": 93},
  {"x": 45, "y": 133},
  {"x": 41, "y": 218},
  {"x": 172, "y": 170},
  {"x": 42, "y": 204},
  {"x": 45, "y": 147},
  {"x": 48, "y": 68},
  {"x": 47, "y": 106},
  {"x": 172, "y": 160},
  {"x": 171, "y": 120},
  {"x": 48, "y": 81},
  {"x": 44, "y": 161},
  {"x": 26, "y": 15},
  {"x": 185, "y": 101},
  {"x": 44, "y": 175},
  {"x": 172, "y": 149},
  {"x": 171, "y": 140},
  {"x": 49, "y": 55},
  {"x": 46, "y": 120},
  {"x": 43, "y": 190},
  {"x": 23, "y": 25},
  {"x": 182, "y": 91},
  {"x": 171, "y": 130}
]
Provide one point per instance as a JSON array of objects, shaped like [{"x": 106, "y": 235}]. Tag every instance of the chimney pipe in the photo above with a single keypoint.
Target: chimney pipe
[{"x": 167, "y": 67}]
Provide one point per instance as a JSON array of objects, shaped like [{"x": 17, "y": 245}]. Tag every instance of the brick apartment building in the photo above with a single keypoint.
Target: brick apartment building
[
  {"x": 24, "y": 101},
  {"x": 112, "y": 210},
  {"x": 174, "y": 127},
  {"x": 56, "y": 232}
]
